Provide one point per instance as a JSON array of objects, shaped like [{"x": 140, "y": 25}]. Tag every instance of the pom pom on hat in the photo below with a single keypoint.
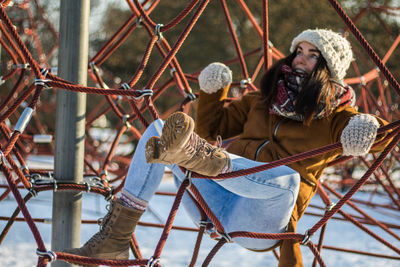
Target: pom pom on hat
[{"x": 335, "y": 49}]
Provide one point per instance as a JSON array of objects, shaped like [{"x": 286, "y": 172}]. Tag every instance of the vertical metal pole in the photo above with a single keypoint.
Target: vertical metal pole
[{"x": 70, "y": 124}]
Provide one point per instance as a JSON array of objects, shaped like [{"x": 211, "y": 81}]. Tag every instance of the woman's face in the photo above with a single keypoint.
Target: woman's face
[{"x": 306, "y": 57}]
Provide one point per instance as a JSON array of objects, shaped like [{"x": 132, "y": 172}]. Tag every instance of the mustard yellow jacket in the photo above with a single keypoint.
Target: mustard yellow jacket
[{"x": 264, "y": 137}]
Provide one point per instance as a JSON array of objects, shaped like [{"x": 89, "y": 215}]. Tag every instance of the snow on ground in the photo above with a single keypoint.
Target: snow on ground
[{"x": 18, "y": 248}]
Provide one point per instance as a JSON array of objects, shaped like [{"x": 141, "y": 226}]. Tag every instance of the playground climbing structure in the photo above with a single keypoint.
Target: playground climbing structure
[{"x": 29, "y": 75}]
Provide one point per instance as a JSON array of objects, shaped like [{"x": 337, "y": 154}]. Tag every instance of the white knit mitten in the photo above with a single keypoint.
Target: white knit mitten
[
  {"x": 359, "y": 135},
  {"x": 215, "y": 77}
]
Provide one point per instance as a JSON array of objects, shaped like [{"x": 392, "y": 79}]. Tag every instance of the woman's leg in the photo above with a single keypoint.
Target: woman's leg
[
  {"x": 260, "y": 202},
  {"x": 112, "y": 241},
  {"x": 261, "y": 185},
  {"x": 144, "y": 178}
]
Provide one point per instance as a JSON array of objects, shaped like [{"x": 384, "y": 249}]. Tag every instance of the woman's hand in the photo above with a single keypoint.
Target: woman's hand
[
  {"x": 215, "y": 77},
  {"x": 359, "y": 135}
]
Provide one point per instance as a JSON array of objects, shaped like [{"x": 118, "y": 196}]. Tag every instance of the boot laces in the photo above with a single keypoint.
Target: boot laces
[
  {"x": 104, "y": 226},
  {"x": 200, "y": 147}
]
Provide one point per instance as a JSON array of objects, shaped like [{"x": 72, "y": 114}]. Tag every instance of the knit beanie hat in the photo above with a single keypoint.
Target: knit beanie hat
[{"x": 335, "y": 49}]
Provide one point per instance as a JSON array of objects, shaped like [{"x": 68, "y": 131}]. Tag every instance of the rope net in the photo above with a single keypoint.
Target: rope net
[{"x": 29, "y": 76}]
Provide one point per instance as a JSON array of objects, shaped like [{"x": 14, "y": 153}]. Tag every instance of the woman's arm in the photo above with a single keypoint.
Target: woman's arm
[
  {"x": 357, "y": 132},
  {"x": 214, "y": 116}
]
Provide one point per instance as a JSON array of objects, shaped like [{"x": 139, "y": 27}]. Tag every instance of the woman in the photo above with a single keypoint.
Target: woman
[{"x": 303, "y": 104}]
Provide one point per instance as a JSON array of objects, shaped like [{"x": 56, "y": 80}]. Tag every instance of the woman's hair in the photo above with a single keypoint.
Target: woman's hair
[{"x": 316, "y": 87}]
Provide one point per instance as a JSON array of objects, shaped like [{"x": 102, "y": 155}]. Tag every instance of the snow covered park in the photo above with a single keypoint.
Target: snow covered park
[{"x": 18, "y": 247}]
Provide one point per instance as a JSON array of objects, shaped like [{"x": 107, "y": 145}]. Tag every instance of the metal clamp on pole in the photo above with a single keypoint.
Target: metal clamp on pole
[
  {"x": 24, "y": 168},
  {"x": 95, "y": 70},
  {"x": 188, "y": 176},
  {"x": 152, "y": 262},
  {"x": 55, "y": 186},
  {"x": 87, "y": 186},
  {"x": 24, "y": 120},
  {"x": 104, "y": 172},
  {"x": 125, "y": 86},
  {"x": 42, "y": 138},
  {"x": 125, "y": 121},
  {"x": 208, "y": 227},
  {"x": 44, "y": 72},
  {"x": 2, "y": 157},
  {"x": 203, "y": 223},
  {"x": 172, "y": 71},
  {"x": 25, "y": 66},
  {"x": 307, "y": 237},
  {"x": 244, "y": 82},
  {"x": 190, "y": 95},
  {"x": 49, "y": 254},
  {"x": 143, "y": 93},
  {"x": 362, "y": 80},
  {"x": 110, "y": 195},
  {"x": 138, "y": 22},
  {"x": 330, "y": 207},
  {"x": 32, "y": 190},
  {"x": 42, "y": 82},
  {"x": 270, "y": 44},
  {"x": 93, "y": 66},
  {"x": 158, "y": 32},
  {"x": 225, "y": 236}
]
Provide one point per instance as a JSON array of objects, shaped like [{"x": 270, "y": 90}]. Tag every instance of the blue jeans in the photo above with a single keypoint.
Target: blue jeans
[{"x": 261, "y": 202}]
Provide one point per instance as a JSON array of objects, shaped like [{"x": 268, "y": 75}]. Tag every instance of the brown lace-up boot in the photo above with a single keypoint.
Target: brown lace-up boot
[
  {"x": 112, "y": 241},
  {"x": 179, "y": 145}
]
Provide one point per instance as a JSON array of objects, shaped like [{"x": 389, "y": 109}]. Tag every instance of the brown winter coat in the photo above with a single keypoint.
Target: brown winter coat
[{"x": 264, "y": 137}]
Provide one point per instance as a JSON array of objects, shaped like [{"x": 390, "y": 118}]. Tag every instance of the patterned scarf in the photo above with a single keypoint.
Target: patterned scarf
[{"x": 289, "y": 87}]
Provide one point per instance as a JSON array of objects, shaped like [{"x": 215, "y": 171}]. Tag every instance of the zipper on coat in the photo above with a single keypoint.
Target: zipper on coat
[
  {"x": 261, "y": 147},
  {"x": 267, "y": 141},
  {"x": 276, "y": 130},
  {"x": 308, "y": 182}
]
